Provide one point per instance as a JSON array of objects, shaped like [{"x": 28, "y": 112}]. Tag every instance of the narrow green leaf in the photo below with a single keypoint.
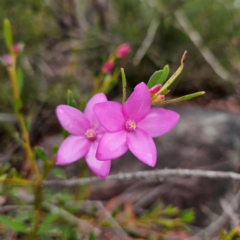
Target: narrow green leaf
[
  {"x": 17, "y": 105},
  {"x": 159, "y": 77},
  {"x": 40, "y": 154},
  {"x": 184, "y": 98},
  {"x": 20, "y": 80},
  {"x": 47, "y": 223},
  {"x": 124, "y": 85},
  {"x": 175, "y": 75},
  {"x": 27, "y": 215},
  {"x": 28, "y": 124},
  {"x": 70, "y": 101},
  {"x": 58, "y": 172},
  {"x": 44, "y": 236},
  {"x": 188, "y": 216},
  {"x": 55, "y": 149},
  {"x": 7, "y": 31},
  {"x": 82, "y": 105},
  {"x": 92, "y": 236},
  {"x": 170, "y": 211},
  {"x": 11, "y": 223}
]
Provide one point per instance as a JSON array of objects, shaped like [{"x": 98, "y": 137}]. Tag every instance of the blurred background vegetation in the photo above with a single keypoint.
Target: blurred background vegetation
[{"x": 67, "y": 41}]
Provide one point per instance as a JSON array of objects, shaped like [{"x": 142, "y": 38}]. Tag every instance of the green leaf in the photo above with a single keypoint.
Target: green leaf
[
  {"x": 13, "y": 224},
  {"x": 159, "y": 77},
  {"x": 19, "y": 80},
  {"x": 70, "y": 101},
  {"x": 47, "y": 223},
  {"x": 92, "y": 236},
  {"x": 40, "y": 154},
  {"x": 124, "y": 85},
  {"x": 28, "y": 124},
  {"x": 3, "y": 177},
  {"x": 170, "y": 211},
  {"x": 82, "y": 105},
  {"x": 44, "y": 236},
  {"x": 25, "y": 216},
  {"x": 188, "y": 216},
  {"x": 17, "y": 105},
  {"x": 55, "y": 149},
  {"x": 7, "y": 31},
  {"x": 184, "y": 98},
  {"x": 58, "y": 172}
]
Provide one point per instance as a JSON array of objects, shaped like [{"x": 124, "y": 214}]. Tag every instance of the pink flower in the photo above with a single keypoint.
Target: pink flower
[
  {"x": 6, "y": 59},
  {"x": 132, "y": 126},
  {"x": 107, "y": 67},
  {"x": 85, "y": 133},
  {"x": 123, "y": 50}
]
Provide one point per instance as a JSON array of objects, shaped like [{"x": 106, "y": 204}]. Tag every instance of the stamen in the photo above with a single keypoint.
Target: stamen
[
  {"x": 91, "y": 134},
  {"x": 130, "y": 125}
]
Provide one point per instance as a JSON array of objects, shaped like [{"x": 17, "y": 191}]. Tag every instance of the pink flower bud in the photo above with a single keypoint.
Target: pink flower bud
[
  {"x": 16, "y": 48},
  {"x": 6, "y": 59},
  {"x": 155, "y": 89},
  {"x": 123, "y": 50},
  {"x": 107, "y": 67},
  {"x": 162, "y": 97}
]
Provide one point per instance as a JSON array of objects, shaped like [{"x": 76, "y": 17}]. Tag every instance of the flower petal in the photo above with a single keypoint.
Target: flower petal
[
  {"x": 100, "y": 168},
  {"x": 88, "y": 112},
  {"x": 142, "y": 146},
  {"x": 72, "y": 120},
  {"x": 158, "y": 122},
  {"x": 72, "y": 149},
  {"x": 109, "y": 114},
  {"x": 112, "y": 145},
  {"x": 138, "y": 104}
]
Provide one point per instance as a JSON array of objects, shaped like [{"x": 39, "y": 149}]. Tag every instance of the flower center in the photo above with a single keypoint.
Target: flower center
[
  {"x": 130, "y": 125},
  {"x": 91, "y": 134}
]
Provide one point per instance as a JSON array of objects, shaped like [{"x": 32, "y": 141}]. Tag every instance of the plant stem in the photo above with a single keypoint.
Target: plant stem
[
  {"x": 16, "y": 97},
  {"x": 38, "y": 205},
  {"x": 17, "y": 181}
]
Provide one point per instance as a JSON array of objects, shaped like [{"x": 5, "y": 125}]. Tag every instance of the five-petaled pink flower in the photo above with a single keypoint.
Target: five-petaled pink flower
[
  {"x": 85, "y": 133},
  {"x": 132, "y": 126},
  {"x": 123, "y": 50}
]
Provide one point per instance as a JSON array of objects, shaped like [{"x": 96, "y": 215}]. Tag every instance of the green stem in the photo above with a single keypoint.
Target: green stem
[
  {"x": 38, "y": 205},
  {"x": 16, "y": 97},
  {"x": 124, "y": 86},
  {"x": 175, "y": 75}
]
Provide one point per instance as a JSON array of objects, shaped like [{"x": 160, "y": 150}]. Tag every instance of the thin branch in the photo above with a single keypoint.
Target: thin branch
[
  {"x": 216, "y": 225},
  {"x": 146, "y": 175},
  {"x": 198, "y": 42},
  {"x": 9, "y": 208},
  {"x": 114, "y": 223},
  {"x": 146, "y": 42},
  {"x": 231, "y": 212}
]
